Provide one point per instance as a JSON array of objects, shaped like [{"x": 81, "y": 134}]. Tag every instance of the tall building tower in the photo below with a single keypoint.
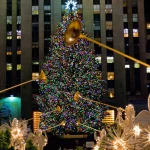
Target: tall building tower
[
  {"x": 147, "y": 17},
  {"x": 25, "y": 29}
]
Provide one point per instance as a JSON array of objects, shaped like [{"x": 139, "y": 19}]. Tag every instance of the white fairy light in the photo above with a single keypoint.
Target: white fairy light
[
  {"x": 96, "y": 147},
  {"x": 71, "y": 5},
  {"x": 146, "y": 137},
  {"x": 119, "y": 144},
  {"x": 116, "y": 140},
  {"x": 16, "y": 132},
  {"x": 99, "y": 137},
  {"x": 137, "y": 130}
]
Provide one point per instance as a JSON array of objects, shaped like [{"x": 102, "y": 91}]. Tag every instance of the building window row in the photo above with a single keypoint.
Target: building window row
[
  {"x": 135, "y": 33},
  {"x": 9, "y": 66},
  {"x": 109, "y": 59}
]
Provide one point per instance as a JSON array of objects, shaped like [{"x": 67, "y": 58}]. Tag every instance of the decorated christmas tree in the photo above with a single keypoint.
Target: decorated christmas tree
[{"x": 71, "y": 70}]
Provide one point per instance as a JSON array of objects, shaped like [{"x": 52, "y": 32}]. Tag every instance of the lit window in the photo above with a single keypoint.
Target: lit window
[
  {"x": 135, "y": 18},
  {"x": 47, "y": 8},
  {"x": 9, "y": 66},
  {"x": 136, "y": 65},
  {"x": 108, "y": 9},
  {"x": 148, "y": 70},
  {"x": 148, "y": 25},
  {"x": 108, "y": 25},
  {"x": 35, "y": 10},
  {"x": 96, "y": 8},
  {"x": 35, "y": 63},
  {"x": 18, "y": 34},
  {"x": 98, "y": 59},
  {"x": 9, "y": 33},
  {"x": 9, "y": 19},
  {"x": 125, "y": 18},
  {"x": 79, "y": 6},
  {"x": 110, "y": 59},
  {"x": 110, "y": 75},
  {"x": 18, "y": 52},
  {"x": 35, "y": 75},
  {"x": 8, "y": 53},
  {"x": 111, "y": 92},
  {"x": 18, "y": 19},
  {"x": 135, "y": 33},
  {"x": 108, "y": 6},
  {"x": 125, "y": 32},
  {"x": 18, "y": 66},
  {"x": 9, "y": 37},
  {"x": 127, "y": 66},
  {"x": 109, "y": 39},
  {"x": 18, "y": 37}
]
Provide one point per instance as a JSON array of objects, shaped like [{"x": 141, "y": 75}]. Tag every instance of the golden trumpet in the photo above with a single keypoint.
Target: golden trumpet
[
  {"x": 77, "y": 96},
  {"x": 41, "y": 77},
  {"x": 73, "y": 32},
  {"x": 58, "y": 109}
]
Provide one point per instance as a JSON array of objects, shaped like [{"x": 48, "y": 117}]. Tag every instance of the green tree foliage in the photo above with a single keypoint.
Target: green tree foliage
[
  {"x": 70, "y": 69},
  {"x": 30, "y": 146},
  {"x": 5, "y": 140}
]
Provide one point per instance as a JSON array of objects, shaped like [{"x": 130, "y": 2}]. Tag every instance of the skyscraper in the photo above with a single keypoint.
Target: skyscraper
[{"x": 25, "y": 29}]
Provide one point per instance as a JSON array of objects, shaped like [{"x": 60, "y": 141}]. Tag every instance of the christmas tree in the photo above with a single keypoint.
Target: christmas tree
[{"x": 70, "y": 70}]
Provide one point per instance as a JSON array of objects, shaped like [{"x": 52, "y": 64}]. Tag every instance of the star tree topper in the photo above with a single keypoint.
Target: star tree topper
[{"x": 71, "y": 5}]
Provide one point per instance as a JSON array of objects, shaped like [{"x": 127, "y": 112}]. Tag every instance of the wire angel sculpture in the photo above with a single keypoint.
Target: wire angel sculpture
[
  {"x": 38, "y": 139},
  {"x": 18, "y": 130},
  {"x": 148, "y": 102},
  {"x": 99, "y": 138}
]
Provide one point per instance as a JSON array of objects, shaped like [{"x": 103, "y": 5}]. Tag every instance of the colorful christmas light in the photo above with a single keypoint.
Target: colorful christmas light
[{"x": 69, "y": 69}]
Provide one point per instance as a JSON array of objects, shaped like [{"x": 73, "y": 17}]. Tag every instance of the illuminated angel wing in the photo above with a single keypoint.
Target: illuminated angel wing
[{"x": 148, "y": 102}]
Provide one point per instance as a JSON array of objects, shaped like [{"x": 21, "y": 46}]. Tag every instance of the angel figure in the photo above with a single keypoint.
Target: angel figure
[
  {"x": 39, "y": 140},
  {"x": 119, "y": 119},
  {"x": 129, "y": 118},
  {"x": 99, "y": 137},
  {"x": 18, "y": 131}
]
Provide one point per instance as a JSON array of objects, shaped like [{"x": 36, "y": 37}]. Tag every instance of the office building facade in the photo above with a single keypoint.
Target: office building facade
[{"x": 25, "y": 29}]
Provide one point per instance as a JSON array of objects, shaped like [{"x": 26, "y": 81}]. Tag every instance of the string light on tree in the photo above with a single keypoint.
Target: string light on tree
[{"x": 70, "y": 69}]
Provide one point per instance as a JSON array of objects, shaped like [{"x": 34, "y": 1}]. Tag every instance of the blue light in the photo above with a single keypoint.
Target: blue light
[{"x": 11, "y": 95}]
